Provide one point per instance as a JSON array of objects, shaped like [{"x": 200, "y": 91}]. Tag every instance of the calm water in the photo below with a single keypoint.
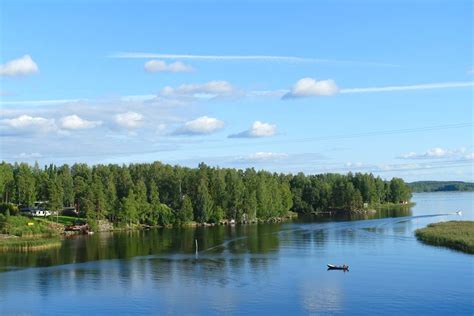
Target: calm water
[{"x": 277, "y": 269}]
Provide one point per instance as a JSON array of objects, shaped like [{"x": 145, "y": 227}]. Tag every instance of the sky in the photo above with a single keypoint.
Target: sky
[{"x": 287, "y": 86}]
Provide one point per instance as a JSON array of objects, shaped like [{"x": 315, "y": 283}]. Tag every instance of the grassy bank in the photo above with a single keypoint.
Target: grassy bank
[
  {"x": 24, "y": 244},
  {"x": 22, "y": 226},
  {"x": 457, "y": 235},
  {"x": 19, "y": 233},
  {"x": 65, "y": 220}
]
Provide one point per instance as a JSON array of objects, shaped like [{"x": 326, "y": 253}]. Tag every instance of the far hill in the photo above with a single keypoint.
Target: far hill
[{"x": 438, "y": 186}]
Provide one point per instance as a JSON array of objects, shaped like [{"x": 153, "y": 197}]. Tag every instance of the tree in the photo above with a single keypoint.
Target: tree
[
  {"x": 263, "y": 199},
  {"x": 54, "y": 193},
  {"x": 128, "y": 210},
  {"x": 6, "y": 181},
  {"x": 286, "y": 199},
  {"x": 151, "y": 217},
  {"x": 235, "y": 191},
  {"x": 158, "y": 194},
  {"x": 25, "y": 185},
  {"x": 143, "y": 207},
  {"x": 204, "y": 204},
  {"x": 98, "y": 199},
  {"x": 250, "y": 205},
  {"x": 185, "y": 213},
  {"x": 67, "y": 184},
  {"x": 399, "y": 191}
]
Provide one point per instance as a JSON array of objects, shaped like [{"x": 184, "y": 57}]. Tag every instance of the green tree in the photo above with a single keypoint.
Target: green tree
[
  {"x": 129, "y": 211},
  {"x": 25, "y": 185},
  {"x": 6, "y": 181},
  {"x": 235, "y": 193},
  {"x": 250, "y": 205},
  {"x": 204, "y": 204},
  {"x": 54, "y": 193},
  {"x": 399, "y": 191},
  {"x": 67, "y": 184},
  {"x": 185, "y": 213}
]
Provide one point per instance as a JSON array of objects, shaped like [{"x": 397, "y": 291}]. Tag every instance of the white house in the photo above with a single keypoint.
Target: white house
[{"x": 38, "y": 210}]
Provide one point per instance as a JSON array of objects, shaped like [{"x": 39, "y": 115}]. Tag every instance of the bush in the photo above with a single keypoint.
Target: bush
[
  {"x": 8, "y": 209},
  {"x": 3, "y": 220}
]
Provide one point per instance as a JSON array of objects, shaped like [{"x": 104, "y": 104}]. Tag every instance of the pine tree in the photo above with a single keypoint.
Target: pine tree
[
  {"x": 6, "y": 182},
  {"x": 185, "y": 214},
  {"x": 25, "y": 185},
  {"x": 204, "y": 204}
]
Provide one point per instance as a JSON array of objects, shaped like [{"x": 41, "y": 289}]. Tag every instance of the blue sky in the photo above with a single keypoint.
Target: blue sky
[{"x": 312, "y": 86}]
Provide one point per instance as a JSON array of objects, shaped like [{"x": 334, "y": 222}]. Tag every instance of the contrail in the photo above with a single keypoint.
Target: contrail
[
  {"x": 265, "y": 58},
  {"x": 427, "y": 86}
]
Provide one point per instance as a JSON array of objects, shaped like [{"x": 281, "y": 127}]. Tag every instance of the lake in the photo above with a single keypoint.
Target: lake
[{"x": 277, "y": 269}]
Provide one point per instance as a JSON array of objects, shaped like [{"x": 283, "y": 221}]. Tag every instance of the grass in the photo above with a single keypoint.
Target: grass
[
  {"x": 21, "y": 234},
  {"x": 22, "y": 226},
  {"x": 458, "y": 235},
  {"x": 24, "y": 244}
]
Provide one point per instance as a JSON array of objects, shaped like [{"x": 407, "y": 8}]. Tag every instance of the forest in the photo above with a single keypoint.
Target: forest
[
  {"x": 161, "y": 194},
  {"x": 439, "y": 186}
]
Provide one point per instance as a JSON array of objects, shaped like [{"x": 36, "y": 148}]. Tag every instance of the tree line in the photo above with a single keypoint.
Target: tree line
[
  {"x": 161, "y": 194},
  {"x": 439, "y": 186}
]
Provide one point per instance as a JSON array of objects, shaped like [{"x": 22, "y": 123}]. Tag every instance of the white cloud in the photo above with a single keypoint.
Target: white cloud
[
  {"x": 263, "y": 157},
  {"x": 75, "y": 122},
  {"x": 406, "y": 167},
  {"x": 355, "y": 164},
  {"x": 161, "y": 66},
  {"x": 28, "y": 156},
  {"x": 30, "y": 123},
  {"x": 161, "y": 128},
  {"x": 309, "y": 87},
  {"x": 19, "y": 67},
  {"x": 439, "y": 153},
  {"x": 209, "y": 89},
  {"x": 129, "y": 119},
  {"x": 258, "y": 129},
  {"x": 200, "y": 126}
]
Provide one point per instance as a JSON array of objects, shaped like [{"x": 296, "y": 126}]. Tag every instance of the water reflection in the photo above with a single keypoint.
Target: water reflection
[
  {"x": 252, "y": 269},
  {"x": 219, "y": 240}
]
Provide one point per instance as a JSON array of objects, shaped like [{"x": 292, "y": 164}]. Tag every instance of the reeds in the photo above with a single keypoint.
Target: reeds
[
  {"x": 19, "y": 244},
  {"x": 457, "y": 235}
]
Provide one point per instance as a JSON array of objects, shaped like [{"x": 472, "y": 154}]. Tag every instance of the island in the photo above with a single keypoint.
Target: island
[
  {"x": 103, "y": 197},
  {"x": 458, "y": 235}
]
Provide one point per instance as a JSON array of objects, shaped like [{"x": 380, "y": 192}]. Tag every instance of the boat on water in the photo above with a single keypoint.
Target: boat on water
[{"x": 334, "y": 267}]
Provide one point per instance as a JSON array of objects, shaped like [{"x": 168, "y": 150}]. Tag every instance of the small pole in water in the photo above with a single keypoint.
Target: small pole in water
[{"x": 196, "y": 247}]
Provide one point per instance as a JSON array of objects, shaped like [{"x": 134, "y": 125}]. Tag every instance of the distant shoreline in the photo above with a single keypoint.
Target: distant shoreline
[{"x": 441, "y": 186}]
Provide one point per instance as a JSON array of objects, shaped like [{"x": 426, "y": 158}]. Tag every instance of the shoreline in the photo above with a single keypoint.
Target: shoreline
[{"x": 31, "y": 243}]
